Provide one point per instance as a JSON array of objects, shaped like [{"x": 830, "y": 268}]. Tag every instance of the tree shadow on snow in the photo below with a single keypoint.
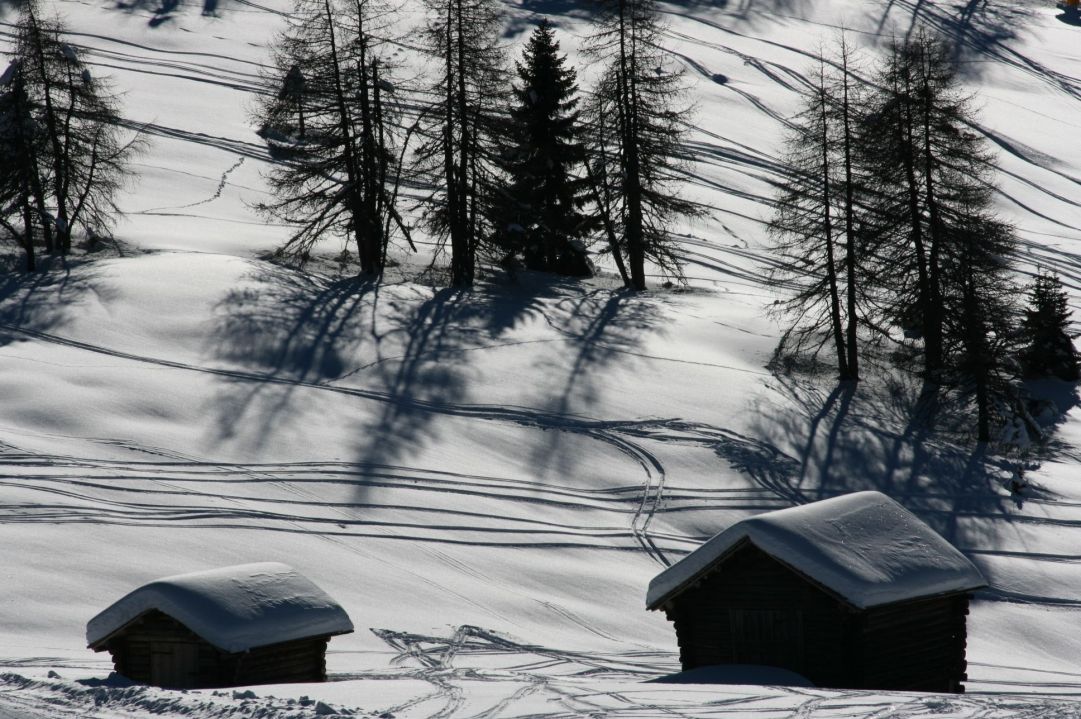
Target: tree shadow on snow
[
  {"x": 298, "y": 328},
  {"x": 10, "y": 6},
  {"x": 600, "y": 328},
  {"x": 899, "y": 436},
  {"x": 162, "y": 11},
  {"x": 39, "y": 301},
  {"x": 975, "y": 29},
  {"x": 527, "y": 13},
  {"x": 429, "y": 372},
  {"x": 406, "y": 353},
  {"x": 1053, "y": 399}
]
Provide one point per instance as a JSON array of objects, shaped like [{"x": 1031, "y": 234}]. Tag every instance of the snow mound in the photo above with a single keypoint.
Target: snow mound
[
  {"x": 234, "y": 608},
  {"x": 863, "y": 546}
]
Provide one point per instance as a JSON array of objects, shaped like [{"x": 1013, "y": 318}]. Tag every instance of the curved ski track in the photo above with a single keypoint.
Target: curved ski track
[{"x": 629, "y": 437}]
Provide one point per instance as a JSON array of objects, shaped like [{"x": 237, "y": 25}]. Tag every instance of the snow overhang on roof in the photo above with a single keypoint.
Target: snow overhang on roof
[
  {"x": 234, "y": 608},
  {"x": 864, "y": 547}
]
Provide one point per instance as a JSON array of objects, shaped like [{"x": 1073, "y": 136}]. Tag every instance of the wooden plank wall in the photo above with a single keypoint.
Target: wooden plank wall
[
  {"x": 303, "y": 660},
  {"x": 160, "y": 651},
  {"x": 754, "y": 610},
  {"x": 133, "y": 651},
  {"x": 916, "y": 646}
]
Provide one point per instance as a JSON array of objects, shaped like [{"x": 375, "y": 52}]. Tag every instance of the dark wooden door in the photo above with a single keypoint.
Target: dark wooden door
[
  {"x": 174, "y": 665},
  {"x": 773, "y": 637}
]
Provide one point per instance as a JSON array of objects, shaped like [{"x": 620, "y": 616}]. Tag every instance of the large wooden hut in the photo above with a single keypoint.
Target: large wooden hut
[
  {"x": 851, "y": 592},
  {"x": 249, "y": 624}
]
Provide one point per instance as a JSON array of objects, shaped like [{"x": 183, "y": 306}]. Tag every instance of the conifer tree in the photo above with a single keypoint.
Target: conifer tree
[
  {"x": 636, "y": 128},
  {"x": 934, "y": 177},
  {"x": 540, "y": 212},
  {"x": 330, "y": 114},
  {"x": 19, "y": 150},
  {"x": 458, "y": 151},
  {"x": 978, "y": 317},
  {"x": 60, "y": 130},
  {"x": 943, "y": 258},
  {"x": 815, "y": 260},
  {"x": 1046, "y": 346}
]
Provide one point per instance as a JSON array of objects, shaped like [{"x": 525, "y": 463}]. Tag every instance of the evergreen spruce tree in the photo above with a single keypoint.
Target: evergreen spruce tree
[
  {"x": 540, "y": 211},
  {"x": 1046, "y": 346},
  {"x": 979, "y": 317},
  {"x": 18, "y": 166}
]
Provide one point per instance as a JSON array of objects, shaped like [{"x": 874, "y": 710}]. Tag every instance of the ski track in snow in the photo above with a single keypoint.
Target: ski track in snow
[
  {"x": 291, "y": 497},
  {"x": 532, "y": 681},
  {"x": 628, "y": 437},
  {"x": 75, "y": 490}
]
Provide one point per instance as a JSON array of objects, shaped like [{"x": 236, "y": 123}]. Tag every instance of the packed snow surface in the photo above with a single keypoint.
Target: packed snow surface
[
  {"x": 234, "y": 608},
  {"x": 492, "y": 476},
  {"x": 864, "y": 546}
]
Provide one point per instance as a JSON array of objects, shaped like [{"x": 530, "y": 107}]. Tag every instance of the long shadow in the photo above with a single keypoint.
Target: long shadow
[
  {"x": 1054, "y": 399},
  {"x": 898, "y": 436},
  {"x": 975, "y": 29},
  {"x": 162, "y": 11},
  {"x": 600, "y": 327},
  {"x": 441, "y": 333},
  {"x": 410, "y": 349},
  {"x": 39, "y": 301},
  {"x": 528, "y": 12},
  {"x": 293, "y": 326},
  {"x": 426, "y": 371}
]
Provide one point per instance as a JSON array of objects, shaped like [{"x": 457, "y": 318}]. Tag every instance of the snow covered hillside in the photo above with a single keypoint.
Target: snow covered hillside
[{"x": 488, "y": 480}]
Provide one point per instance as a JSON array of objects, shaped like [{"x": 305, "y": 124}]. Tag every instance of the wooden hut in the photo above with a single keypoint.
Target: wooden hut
[
  {"x": 851, "y": 592},
  {"x": 249, "y": 624}
]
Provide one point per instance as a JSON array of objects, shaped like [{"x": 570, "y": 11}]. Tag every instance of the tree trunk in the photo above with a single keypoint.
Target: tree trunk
[
  {"x": 351, "y": 174},
  {"x": 58, "y": 151},
  {"x": 627, "y": 95},
  {"x": 449, "y": 166},
  {"x": 827, "y": 221},
  {"x": 934, "y": 278},
  {"x": 383, "y": 208},
  {"x": 932, "y": 341},
  {"x": 850, "y": 232},
  {"x": 28, "y": 228},
  {"x": 463, "y": 247},
  {"x": 604, "y": 204}
]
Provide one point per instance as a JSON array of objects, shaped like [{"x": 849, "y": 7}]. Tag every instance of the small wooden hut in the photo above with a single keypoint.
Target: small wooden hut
[
  {"x": 851, "y": 592},
  {"x": 249, "y": 624}
]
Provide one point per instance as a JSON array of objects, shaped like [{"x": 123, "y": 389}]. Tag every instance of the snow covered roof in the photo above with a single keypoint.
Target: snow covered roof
[
  {"x": 864, "y": 546},
  {"x": 234, "y": 608}
]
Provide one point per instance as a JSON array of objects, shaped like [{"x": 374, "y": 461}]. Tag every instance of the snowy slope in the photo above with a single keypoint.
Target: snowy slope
[{"x": 489, "y": 480}]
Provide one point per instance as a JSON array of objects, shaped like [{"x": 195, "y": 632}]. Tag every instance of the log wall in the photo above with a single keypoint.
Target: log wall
[
  {"x": 916, "y": 646},
  {"x": 754, "y": 610},
  {"x": 160, "y": 651}
]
